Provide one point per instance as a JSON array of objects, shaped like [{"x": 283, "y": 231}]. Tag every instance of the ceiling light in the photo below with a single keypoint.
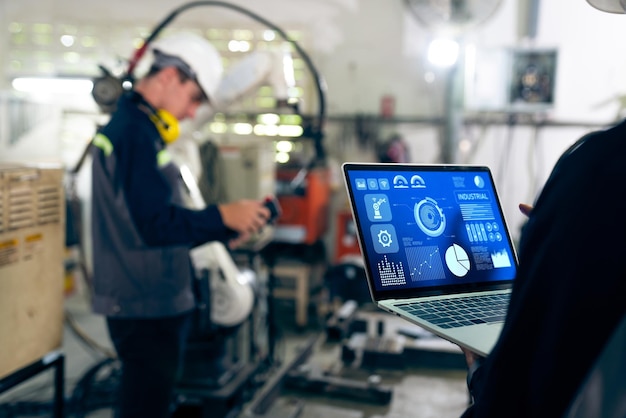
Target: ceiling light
[{"x": 443, "y": 52}]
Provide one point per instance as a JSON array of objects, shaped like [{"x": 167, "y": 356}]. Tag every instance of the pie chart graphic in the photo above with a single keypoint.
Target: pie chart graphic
[{"x": 457, "y": 260}]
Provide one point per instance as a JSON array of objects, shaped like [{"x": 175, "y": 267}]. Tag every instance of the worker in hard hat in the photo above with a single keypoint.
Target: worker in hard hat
[{"x": 142, "y": 234}]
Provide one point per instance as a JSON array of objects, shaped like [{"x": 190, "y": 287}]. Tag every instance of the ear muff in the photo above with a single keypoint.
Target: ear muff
[{"x": 166, "y": 124}]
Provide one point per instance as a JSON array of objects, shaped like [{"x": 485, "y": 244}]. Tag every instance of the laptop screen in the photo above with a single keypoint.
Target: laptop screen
[{"x": 429, "y": 229}]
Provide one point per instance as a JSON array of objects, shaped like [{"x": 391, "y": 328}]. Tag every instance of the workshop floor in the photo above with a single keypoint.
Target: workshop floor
[{"x": 430, "y": 387}]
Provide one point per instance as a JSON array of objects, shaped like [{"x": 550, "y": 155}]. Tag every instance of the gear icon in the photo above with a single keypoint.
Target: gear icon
[{"x": 384, "y": 238}]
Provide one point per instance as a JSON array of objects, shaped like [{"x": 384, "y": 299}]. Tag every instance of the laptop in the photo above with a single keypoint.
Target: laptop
[{"x": 436, "y": 247}]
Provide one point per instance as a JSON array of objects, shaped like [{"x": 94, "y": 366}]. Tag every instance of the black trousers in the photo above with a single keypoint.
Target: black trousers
[{"x": 151, "y": 354}]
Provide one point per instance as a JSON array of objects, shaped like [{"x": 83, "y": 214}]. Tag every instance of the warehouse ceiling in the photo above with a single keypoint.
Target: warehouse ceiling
[
  {"x": 278, "y": 11},
  {"x": 319, "y": 18}
]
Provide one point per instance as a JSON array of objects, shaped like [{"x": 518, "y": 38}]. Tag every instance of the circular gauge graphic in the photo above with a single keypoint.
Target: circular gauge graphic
[
  {"x": 400, "y": 182},
  {"x": 417, "y": 182},
  {"x": 457, "y": 260},
  {"x": 429, "y": 217}
]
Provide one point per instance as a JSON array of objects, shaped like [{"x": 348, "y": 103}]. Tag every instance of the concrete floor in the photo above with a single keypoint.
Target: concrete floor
[{"x": 422, "y": 389}]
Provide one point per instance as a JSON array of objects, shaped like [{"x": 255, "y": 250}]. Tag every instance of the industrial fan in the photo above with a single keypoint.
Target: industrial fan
[{"x": 452, "y": 15}]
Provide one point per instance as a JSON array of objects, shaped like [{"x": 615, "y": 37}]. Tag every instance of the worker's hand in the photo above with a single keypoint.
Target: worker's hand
[
  {"x": 236, "y": 242},
  {"x": 525, "y": 209},
  {"x": 244, "y": 217},
  {"x": 470, "y": 357}
]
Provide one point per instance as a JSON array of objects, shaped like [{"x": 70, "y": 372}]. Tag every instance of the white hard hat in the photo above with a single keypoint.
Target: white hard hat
[
  {"x": 611, "y": 6},
  {"x": 203, "y": 60}
]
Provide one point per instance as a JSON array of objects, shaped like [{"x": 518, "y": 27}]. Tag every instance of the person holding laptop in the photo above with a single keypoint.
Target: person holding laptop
[{"x": 569, "y": 295}]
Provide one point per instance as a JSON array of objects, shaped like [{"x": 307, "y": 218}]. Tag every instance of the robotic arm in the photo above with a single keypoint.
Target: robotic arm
[
  {"x": 232, "y": 297},
  {"x": 107, "y": 88},
  {"x": 275, "y": 67}
]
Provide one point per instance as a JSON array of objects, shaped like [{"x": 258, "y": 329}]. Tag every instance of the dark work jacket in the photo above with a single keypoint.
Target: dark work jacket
[
  {"x": 141, "y": 233},
  {"x": 570, "y": 292},
  {"x": 603, "y": 393}
]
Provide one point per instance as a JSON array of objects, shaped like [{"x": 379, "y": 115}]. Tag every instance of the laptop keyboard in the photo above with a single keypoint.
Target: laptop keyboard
[{"x": 463, "y": 311}]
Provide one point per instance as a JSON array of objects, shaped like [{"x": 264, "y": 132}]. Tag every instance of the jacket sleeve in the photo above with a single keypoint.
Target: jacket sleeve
[{"x": 149, "y": 197}]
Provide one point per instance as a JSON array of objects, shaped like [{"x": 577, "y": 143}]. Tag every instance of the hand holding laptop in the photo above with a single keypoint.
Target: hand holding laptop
[{"x": 525, "y": 209}]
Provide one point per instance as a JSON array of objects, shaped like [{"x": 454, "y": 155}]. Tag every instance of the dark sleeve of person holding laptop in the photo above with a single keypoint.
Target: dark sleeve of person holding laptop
[{"x": 570, "y": 294}]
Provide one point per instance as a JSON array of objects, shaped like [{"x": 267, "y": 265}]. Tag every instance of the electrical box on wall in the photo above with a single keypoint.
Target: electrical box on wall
[
  {"x": 32, "y": 244},
  {"x": 520, "y": 80}
]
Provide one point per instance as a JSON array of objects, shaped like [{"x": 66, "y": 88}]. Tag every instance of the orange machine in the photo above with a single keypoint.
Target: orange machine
[
  {"x": 346, "y": 241},
  {"x": 305, "y": 208}
]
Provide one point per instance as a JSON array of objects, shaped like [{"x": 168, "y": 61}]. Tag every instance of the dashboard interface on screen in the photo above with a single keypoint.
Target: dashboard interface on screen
[{"x": 429, "y": 226}]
